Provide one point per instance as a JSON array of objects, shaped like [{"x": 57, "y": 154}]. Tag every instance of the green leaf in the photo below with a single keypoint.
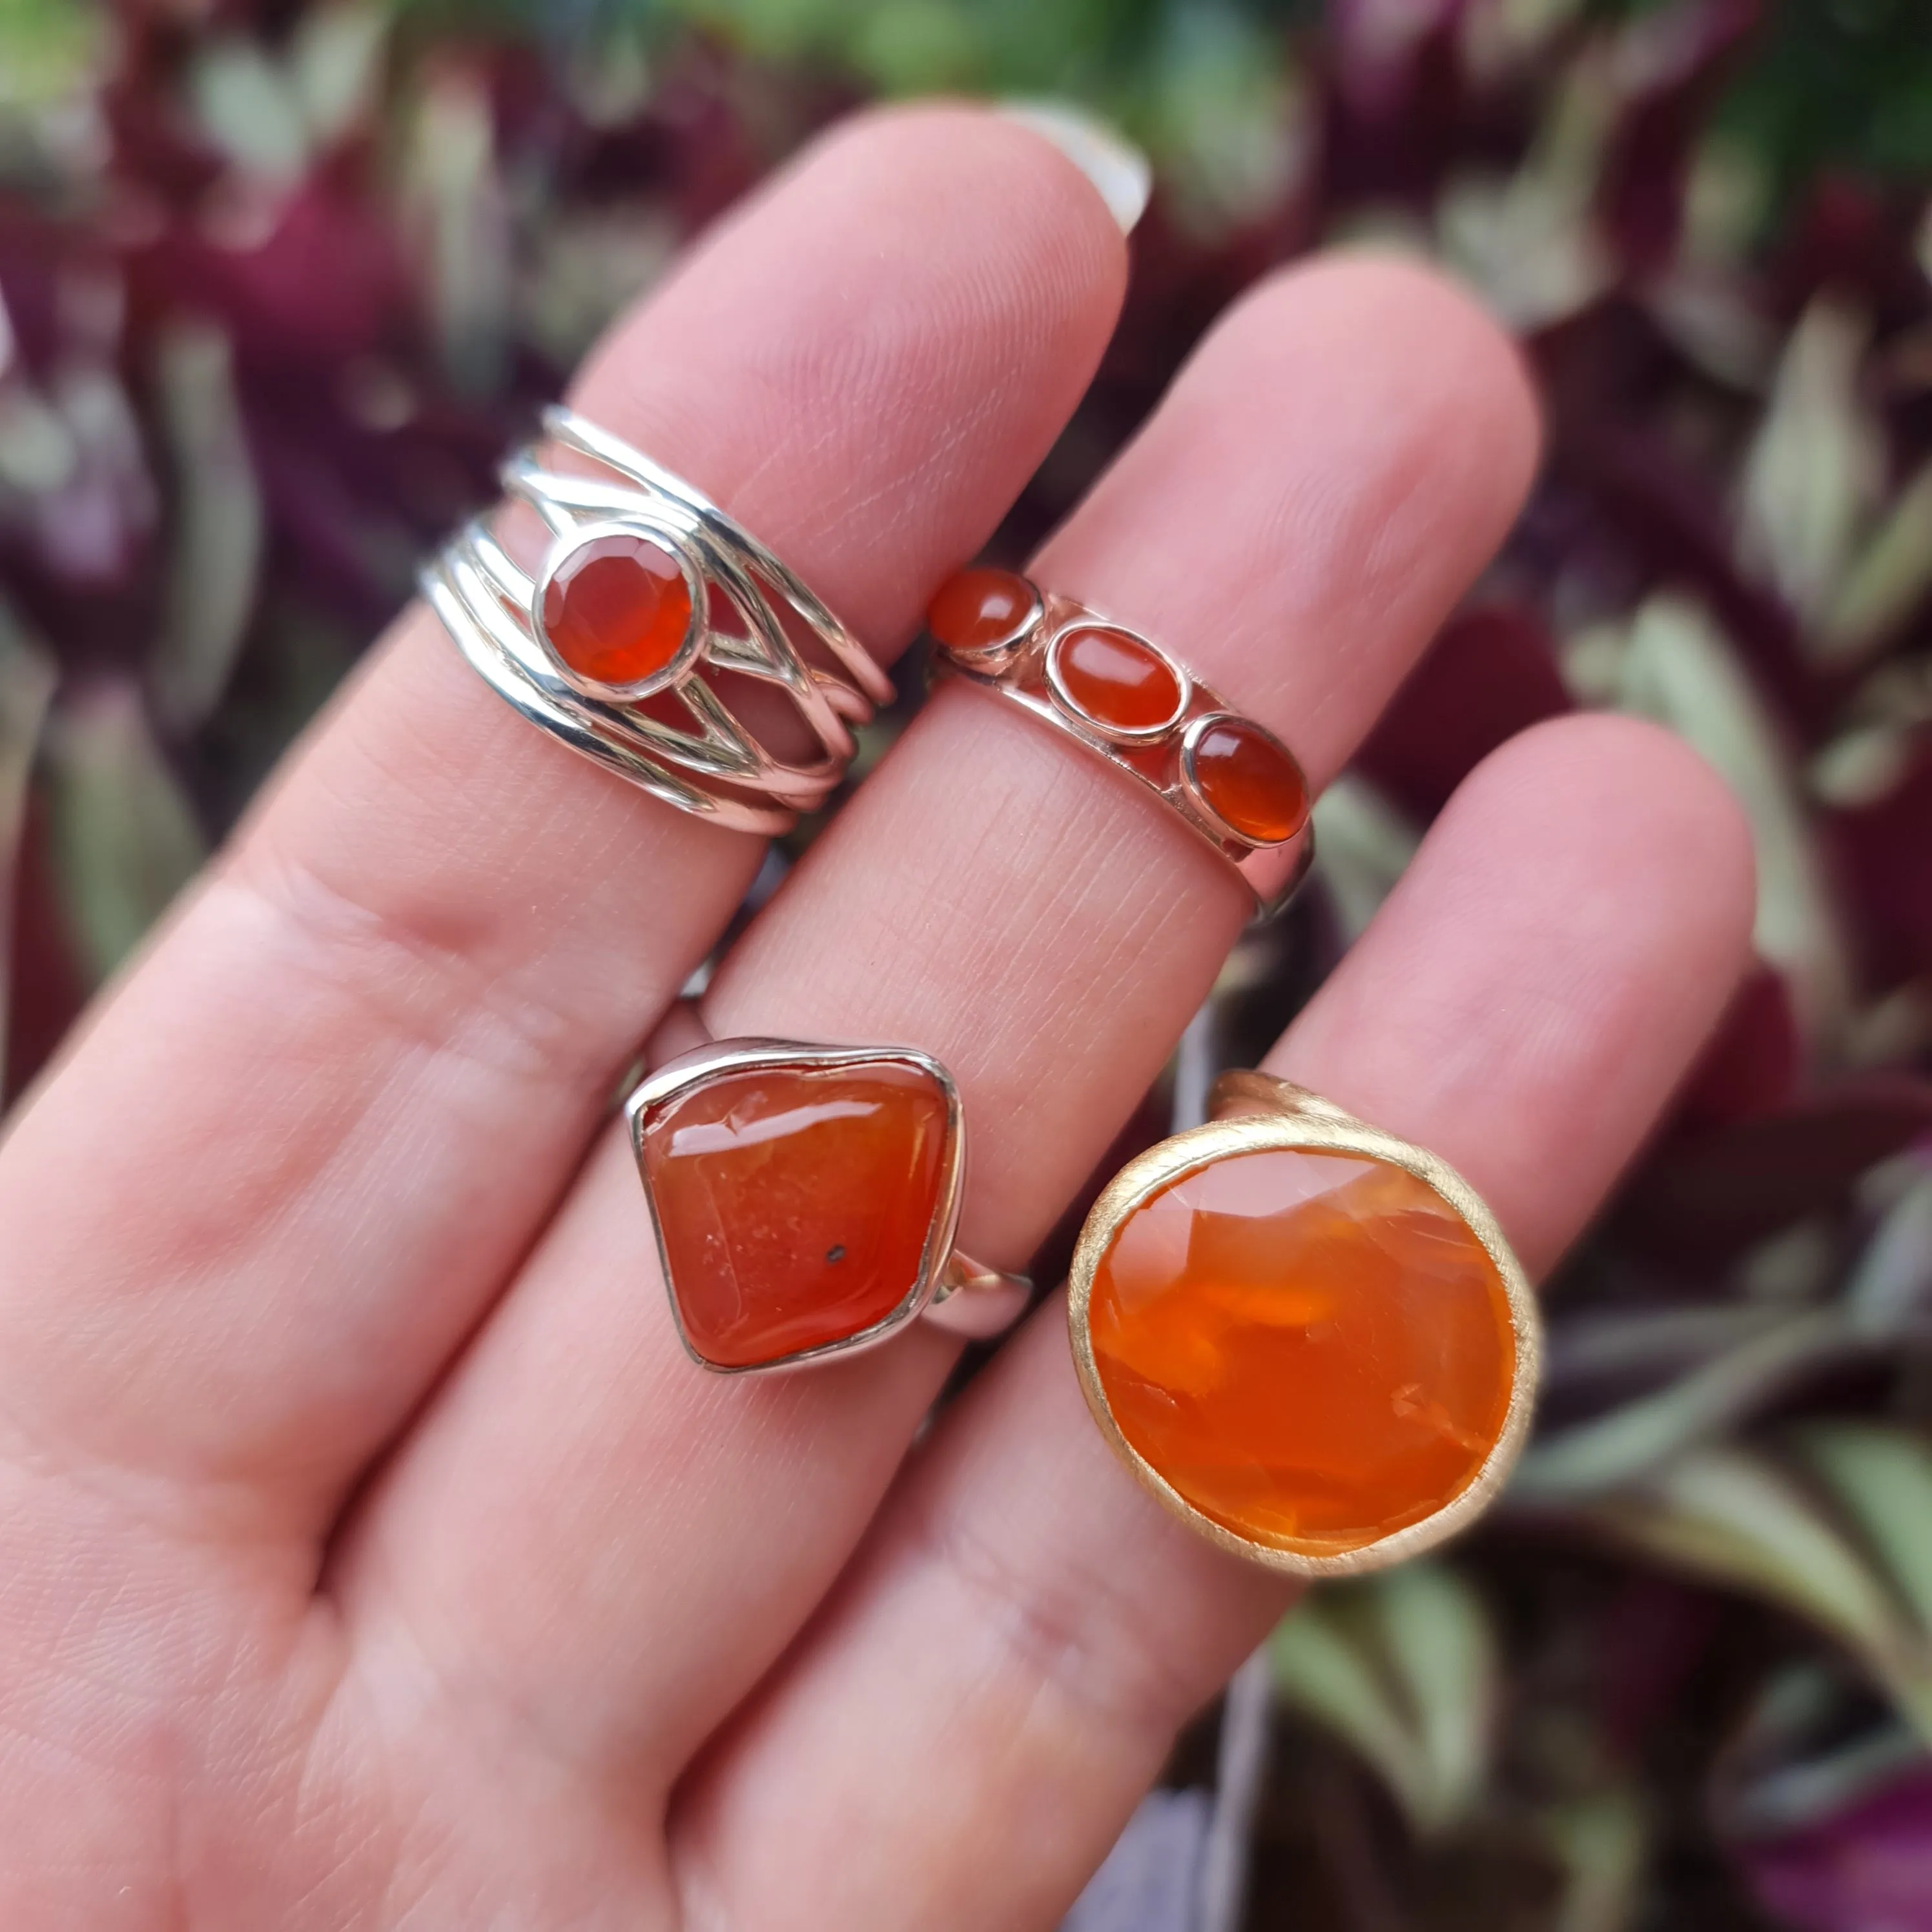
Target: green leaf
[
  {"x": 125, "y": 836},
  {"x": 1893, "y": 1279},
  {"x": 245, "y": 105},
  {"x": 1814, "y": 473},
  {"x": 335, "y": 66},
  {"x": 1402, "y": 1668},
  {"x": 1653, "y": 1341},
  {"x": 1808, "y": 1748},
  {"x": 1362, "y": 845},
  {"x": 1888, "y": 579},
  {"x": 1643, "y": 1436},
  {"x": 215, "y": 554},
  {"x": 1883, "y": 1478},
  {"x": 1600, "y": 1841},
  {"x": 1679, "y": 667},
  {"x": 456, "y": 213},
  {"x": 1442, "y": 1657},
  {"x": 1730, "y": 1516},
  {"x": 1529, "y": 240},
  {"x": 50, "y": 49},
  {"x": 27, "y": 679}
]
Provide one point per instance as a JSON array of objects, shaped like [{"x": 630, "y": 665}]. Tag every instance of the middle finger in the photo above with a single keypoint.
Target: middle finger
[{"x": 591, "y": 1528}]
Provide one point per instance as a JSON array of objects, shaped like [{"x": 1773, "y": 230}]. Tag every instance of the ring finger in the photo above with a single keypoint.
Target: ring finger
[{"x": 1023, "y": 1613}]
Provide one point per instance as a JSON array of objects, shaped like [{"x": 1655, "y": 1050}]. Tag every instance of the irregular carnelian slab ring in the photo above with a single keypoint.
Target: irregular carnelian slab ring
[
  {"x": 629, "y": 615},
  {"x": 1308, "y": 1338},
  {"x": 805, "y": 1199},
  {"x": 1233, "y": 783}
]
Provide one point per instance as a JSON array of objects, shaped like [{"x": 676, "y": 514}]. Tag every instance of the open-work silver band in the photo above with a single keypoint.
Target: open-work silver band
[{"x": 750, "y": 616}]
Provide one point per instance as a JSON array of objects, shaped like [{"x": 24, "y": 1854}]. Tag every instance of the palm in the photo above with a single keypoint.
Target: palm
[{"x": 372, "y": 1555}]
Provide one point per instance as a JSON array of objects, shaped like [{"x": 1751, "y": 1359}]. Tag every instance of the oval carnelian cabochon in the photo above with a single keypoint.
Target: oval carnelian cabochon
[{"x": 1313, "y": 1347}]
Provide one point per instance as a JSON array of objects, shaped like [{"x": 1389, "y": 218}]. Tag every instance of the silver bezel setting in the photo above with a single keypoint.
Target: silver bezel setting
[
  {"x": 1119, "y": 734},
  {"x": 664, "y": 536},
  {"x": 1198, "y": 728},
  {"x": 692, "y": 1069},
  {"x": 996, "y": 652}
]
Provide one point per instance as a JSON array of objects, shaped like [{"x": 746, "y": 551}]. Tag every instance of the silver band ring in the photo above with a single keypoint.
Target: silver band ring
[
  {"x": 1229, "y": 779},
  {"x": 805, "y": 1200},
  {"x": 626, "y": 641}
]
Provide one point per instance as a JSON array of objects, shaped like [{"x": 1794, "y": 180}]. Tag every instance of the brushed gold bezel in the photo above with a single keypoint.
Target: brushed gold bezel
[{"x": 1255, "y": 1111}]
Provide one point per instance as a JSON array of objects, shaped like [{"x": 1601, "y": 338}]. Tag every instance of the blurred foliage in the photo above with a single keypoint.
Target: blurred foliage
[{"x": 280, "y": 280}]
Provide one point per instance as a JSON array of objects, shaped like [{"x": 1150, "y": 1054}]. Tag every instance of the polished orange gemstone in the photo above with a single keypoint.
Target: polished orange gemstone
[
  {"x": 975, "y": 608},
  {"x": 1249, "y": 782},
  {"x": 793, "y": 1204},
  {"x": 616, "y": 610},
  {"x": 1313, "y": 1349},
  {"x": 1116, "y": 679}
]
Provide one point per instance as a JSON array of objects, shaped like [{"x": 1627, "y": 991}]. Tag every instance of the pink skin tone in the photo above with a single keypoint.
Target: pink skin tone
[{"x": 370, "y": 1554}]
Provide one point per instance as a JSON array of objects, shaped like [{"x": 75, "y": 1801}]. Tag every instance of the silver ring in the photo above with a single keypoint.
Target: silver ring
[
  {"x": 670, "y": 729},
  {"x": 806, "y": 1201}
]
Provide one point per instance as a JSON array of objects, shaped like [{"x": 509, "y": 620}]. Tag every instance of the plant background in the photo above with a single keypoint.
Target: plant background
[{"x": 279, "y": 279}]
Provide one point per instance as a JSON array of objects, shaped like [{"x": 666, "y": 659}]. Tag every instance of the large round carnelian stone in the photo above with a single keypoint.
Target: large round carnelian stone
[
  {"x": 793, "y": 1204},
  {"x": 1313, "y": 1349},
  {"x": 616, "y": 610},
  {"x": 1249, "y": 782},
  {"x": 975, "y": 609},
  {"x": 1116, "y": 680}
]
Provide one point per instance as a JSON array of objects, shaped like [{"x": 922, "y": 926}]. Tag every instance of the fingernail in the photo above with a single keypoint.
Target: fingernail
[{"x": 1116, "y": 168}]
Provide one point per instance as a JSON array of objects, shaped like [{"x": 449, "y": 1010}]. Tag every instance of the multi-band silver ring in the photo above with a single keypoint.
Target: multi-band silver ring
[{"x": 648, "y": 630}]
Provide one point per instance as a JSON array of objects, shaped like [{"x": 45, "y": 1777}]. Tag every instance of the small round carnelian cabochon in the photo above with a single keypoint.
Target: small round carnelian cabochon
[
  {"x": 616, "y": 610},
  {"x": 974, "y": 608},
  {"x": 1249, "y": 782},
  {"x": 1312, "y": 1348}
]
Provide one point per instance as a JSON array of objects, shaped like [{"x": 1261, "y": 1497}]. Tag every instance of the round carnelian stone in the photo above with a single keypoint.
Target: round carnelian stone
[
  {"x": 616, "y": 610},
  {"x": 1116, "y": 680},
  {"x": 1249, "y": 782},
  {"x": 1313, "y": 1349},
  {"x": 976, "y": 608},
  {"x": 793, "y": 1204}
]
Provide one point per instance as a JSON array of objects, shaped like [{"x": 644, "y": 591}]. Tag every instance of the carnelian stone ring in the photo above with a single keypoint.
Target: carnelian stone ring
[
  {"x": 1233, "y": 782},
  {"x": 805, "y": 1200},
  {"x": 1308, "y": 1338},
  {"x": 616, "y": 606}
]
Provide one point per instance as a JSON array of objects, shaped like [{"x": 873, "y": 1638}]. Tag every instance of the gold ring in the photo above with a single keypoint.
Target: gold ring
[
  {"x": 1307, "y": 1337},
  {"x": 805, "y": 1200},
  {"x": 1230, "y": 781}
]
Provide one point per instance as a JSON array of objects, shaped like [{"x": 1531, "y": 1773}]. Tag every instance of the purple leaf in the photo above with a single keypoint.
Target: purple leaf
[{"x": 1869, "y": 1869}]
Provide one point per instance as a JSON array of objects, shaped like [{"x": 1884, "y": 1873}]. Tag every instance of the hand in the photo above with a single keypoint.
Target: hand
[{"x": 370, "y": 1555}]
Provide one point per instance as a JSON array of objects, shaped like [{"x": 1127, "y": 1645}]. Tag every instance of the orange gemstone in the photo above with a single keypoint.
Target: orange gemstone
[
  {"x": 616, "y": 610},
  {"x": 1313, "y": 1349},
  {"x": 1249, "y": 782},
  {"x": 1117, "y": 680},
  {"x": 975, "y": 608},
  {"x": 793, "y": 1204}
]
